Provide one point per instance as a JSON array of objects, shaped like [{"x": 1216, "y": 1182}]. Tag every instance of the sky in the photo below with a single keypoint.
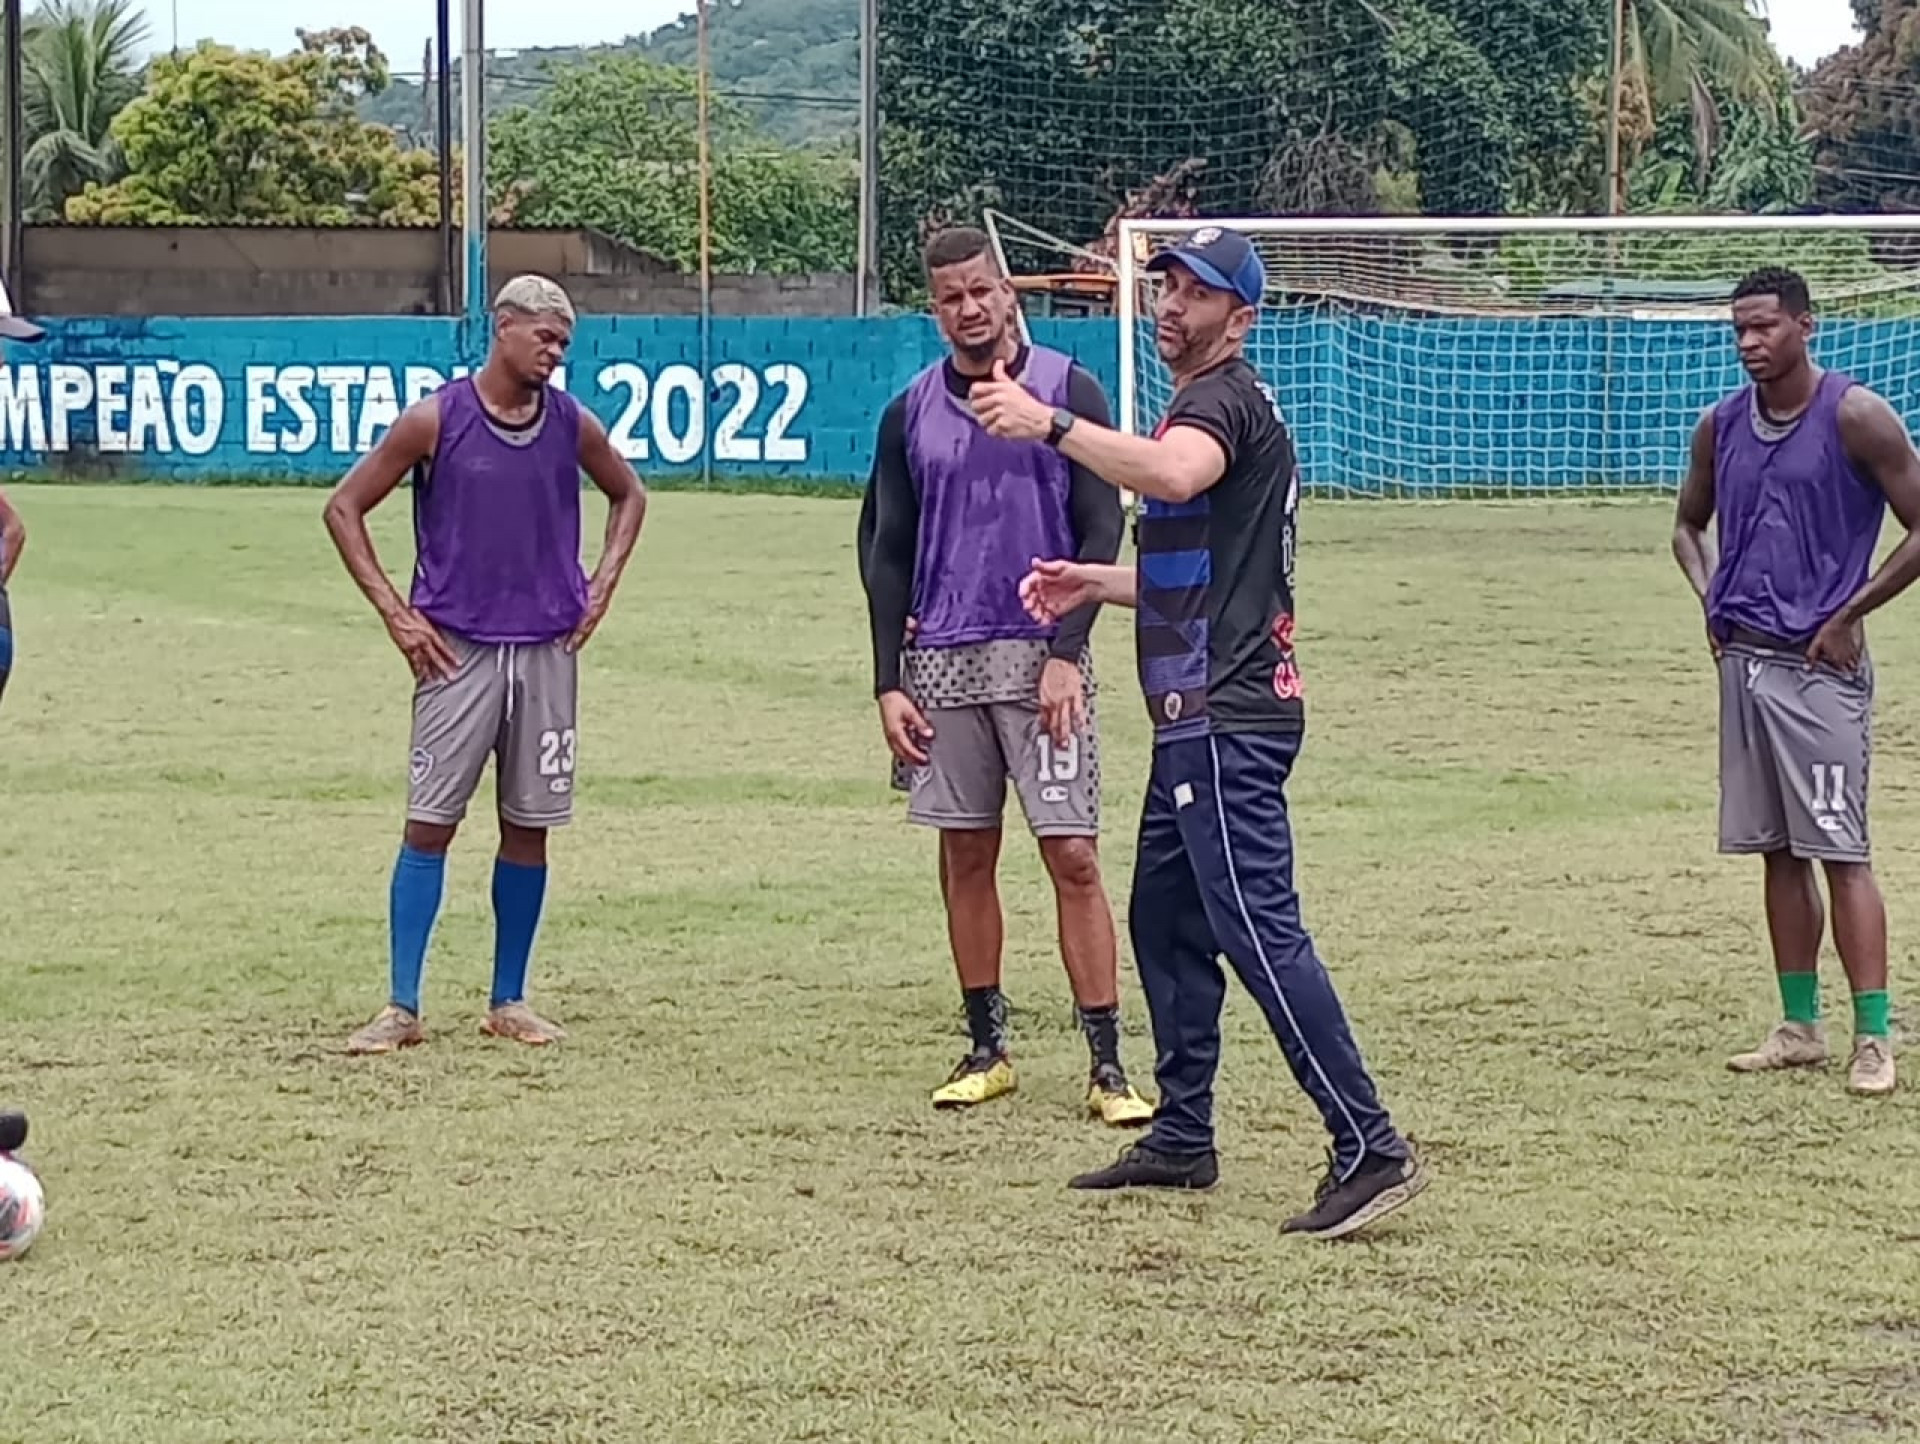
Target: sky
[
  {"x": 401, "y": 27},
  {"x": 1805, "y": 30}
]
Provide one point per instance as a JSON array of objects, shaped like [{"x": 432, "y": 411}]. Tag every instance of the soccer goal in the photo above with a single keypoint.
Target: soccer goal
[{"x": 1428, "y": 357}]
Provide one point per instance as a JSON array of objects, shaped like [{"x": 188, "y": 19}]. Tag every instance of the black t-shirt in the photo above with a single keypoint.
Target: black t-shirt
[{"x": 1215, "y": 626}]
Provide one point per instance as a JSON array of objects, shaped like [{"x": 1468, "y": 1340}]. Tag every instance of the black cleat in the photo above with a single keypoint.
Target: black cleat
[
  {"x": 1143, "y": 1166},
  {"x": 13, "y": 1131},
  {"x": 1376, "y": 1189}
]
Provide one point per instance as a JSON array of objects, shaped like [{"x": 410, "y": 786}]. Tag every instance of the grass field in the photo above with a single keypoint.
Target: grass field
[{"x": 724, "y": 1211}]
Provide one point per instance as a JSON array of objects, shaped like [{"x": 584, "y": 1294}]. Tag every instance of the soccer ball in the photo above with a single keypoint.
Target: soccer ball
[{"x": 23, "y": 1207}]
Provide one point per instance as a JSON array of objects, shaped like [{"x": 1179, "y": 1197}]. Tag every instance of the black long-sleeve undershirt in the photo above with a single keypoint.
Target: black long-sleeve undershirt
[{"x": 889, "y": 529}]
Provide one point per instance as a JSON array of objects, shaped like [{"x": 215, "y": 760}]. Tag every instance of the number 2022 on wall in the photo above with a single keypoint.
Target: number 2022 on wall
[{"x": 665, "y": 417}]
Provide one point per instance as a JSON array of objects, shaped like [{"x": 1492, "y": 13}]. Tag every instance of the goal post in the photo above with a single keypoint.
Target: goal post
[{"x": 1504, "y": 357}]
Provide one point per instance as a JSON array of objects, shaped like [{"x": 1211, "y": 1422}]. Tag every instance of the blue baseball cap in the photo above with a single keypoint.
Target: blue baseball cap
[{"x": 1225, "y": 260}]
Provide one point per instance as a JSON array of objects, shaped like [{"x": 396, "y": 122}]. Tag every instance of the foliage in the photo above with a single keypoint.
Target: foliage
[
  {"x": 803, "y": 55},
  {"x": 222, "y": 135},
  {"x": 1761, "y": 163},
  {"x": 1860, "y": 103},
  {"x": 80, "y": 67},
  {"x": 1216, "y": 106},
  {"x": 1500, "y": 111},
  {"x": 613, "y": 145},
  {"x": 1713, "y": 260},
  {"x": 1699, "y": 54}
]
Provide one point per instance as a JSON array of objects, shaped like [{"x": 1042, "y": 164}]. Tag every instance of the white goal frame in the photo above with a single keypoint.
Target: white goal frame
[{"x": 1137, "y": 241}]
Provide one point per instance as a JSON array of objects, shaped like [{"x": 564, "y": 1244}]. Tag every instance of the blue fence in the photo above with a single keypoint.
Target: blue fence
[{"x": 1378, "y": 405}]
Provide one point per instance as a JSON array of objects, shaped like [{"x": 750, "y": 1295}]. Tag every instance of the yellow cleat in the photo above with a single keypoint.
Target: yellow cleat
[
  {"x": 1113, "y": 1100},
  {"x": 977, "y": 1078}
]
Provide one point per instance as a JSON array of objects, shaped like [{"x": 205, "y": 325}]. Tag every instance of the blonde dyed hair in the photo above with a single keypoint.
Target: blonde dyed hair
[{"x": 535, "y": 296}]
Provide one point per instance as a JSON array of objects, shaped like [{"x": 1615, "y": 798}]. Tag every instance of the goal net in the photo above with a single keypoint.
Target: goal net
[
  {"x": 1071, "y": 114},
  {"x": 1433, "y": 357}
]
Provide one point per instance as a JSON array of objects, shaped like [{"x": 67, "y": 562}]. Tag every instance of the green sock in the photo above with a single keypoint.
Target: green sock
[
  {"x": 1870, "y": 1014},
  {"x": 1800, "y": 996}
]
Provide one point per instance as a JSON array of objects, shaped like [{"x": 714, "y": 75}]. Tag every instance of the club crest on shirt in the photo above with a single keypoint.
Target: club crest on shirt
[{"x": 1172, "y": 707}]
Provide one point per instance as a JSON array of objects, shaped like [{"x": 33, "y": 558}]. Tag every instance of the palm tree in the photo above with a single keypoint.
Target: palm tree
[
  {"x": 1676, "y": 52},
  {"x": 81, "y": 64}
]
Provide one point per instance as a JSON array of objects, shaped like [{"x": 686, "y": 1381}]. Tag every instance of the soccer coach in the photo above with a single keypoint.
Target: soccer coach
[{"x": 1213, "y": 594}]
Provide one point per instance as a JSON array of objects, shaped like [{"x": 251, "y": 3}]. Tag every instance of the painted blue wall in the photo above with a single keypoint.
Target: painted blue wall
[{"x": 1377, "y": 404}]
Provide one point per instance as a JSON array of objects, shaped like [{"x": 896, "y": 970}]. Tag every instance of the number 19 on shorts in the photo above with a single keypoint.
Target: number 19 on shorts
[{"x": 1058, "y": 764}]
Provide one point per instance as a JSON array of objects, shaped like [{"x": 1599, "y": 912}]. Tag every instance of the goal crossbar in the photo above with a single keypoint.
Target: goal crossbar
[{"x": 1514, "y": 225}]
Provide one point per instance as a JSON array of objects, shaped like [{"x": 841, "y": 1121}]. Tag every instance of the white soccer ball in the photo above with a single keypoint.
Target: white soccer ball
[{"x": 23, "y": 1207}]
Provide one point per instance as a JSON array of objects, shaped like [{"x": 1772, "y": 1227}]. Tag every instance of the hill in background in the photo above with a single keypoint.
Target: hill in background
[{"x": 795, "y": 64}]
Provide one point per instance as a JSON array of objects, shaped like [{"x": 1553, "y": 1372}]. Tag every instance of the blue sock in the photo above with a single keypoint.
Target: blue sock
[
  {"x": 518, "y": 895},
  {"x": 413, "y": 903}
]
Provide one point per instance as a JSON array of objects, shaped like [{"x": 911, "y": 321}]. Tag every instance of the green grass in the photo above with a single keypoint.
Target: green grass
[{"x": 724, "y": 1210}]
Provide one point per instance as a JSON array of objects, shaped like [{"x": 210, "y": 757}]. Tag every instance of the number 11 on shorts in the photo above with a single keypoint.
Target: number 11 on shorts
[{"x": 1829, "y": 787}]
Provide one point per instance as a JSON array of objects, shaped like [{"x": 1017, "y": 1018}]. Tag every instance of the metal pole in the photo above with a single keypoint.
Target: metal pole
[
  {"x": 1616, "y": 65},
  {"x": 706, "y": 242},
  {"x": 16, "y": 232},
  {"x": 473, "y": 107},
  {"x": 865, "y": 282},
  {"x": 443, "y": 89}
]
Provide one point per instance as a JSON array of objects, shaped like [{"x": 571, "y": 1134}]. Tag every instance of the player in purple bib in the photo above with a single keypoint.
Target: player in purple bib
[
  {"x": 985, "y": 694},
  {"x": 498, "y": 612},
  {"x": 1795, "y": 473}
]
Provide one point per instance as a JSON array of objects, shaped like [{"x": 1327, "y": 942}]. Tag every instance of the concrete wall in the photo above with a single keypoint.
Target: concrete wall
[
  {"x": 353, "y": 271},
  {"x": 1378, "y": 406}
]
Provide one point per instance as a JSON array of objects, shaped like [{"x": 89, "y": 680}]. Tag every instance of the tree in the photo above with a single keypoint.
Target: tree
[
  {"x": 1070, "y": 113},
  {"x": 1692, "y": 52},
  {"x": 79, "y": 68},
  {"x": 1490, "y": 89},
  {"x": 1762, "y": 163},
  {"x": 613, "y": 145},
  {"x": 222, "y": 135},
  {"x": 1859, "y": 105}
]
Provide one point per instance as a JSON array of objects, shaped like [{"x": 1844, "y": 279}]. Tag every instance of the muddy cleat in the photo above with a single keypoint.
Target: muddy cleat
[
  {"x": 520, "y": 1024},
  {"x": 1143, "y": 1166},
  {"x": 1789, "y": 1045},
  {"x": 394, "y": 1028},
  {"x": 975, "y": 1079},
  {"x": 1374, "y": 1190},
  {"x": 1112, "y": 1099},
  {"x": 1871, "y": 1072}
]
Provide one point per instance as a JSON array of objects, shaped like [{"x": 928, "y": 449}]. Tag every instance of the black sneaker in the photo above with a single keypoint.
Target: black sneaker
[
  {"x": 1142, "y": 1166},
  {"x": 13, "y": 1131},
  {"x": 1376, "y": 1189}
]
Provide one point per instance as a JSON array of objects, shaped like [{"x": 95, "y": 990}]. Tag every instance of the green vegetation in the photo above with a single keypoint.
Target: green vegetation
[{"x": 1064, "y": 113}]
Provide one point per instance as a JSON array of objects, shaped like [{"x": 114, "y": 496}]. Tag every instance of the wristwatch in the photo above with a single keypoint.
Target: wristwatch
[{"x": 1063, "y": 420}]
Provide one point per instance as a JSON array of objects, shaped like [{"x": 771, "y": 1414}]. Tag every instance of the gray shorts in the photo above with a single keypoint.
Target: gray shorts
[
  {"x": 1796, "y": 741},
  {"x": 976, "y": 749},
  {"x": 514, "y": 702}
]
